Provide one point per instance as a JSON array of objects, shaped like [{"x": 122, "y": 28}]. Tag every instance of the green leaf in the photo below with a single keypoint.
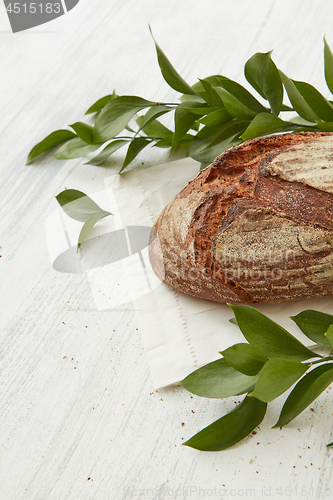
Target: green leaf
[
  {"x": 329, "y": 336},
  {"x": 241, "y": 94},
  {"x": 300, "y": 121},
  {"x": 317, "y": 102},
  {"x": 202, "y": 148},
  {"x": 306, "y": 391},
  {"x": 84, "y": 132},
  {"x": 218, "y": 117},
  {"x": 314, "y": 325},
  {"x": 235, "y": 107},
  {"x": 245, "y": 358},
  {"x": 89, "y": 224},
  {"x": 228, "y": 131},
  {"x": 170, "y": 75},
  {"x": 231, "y": 428},
  {"x": 191, "y": 98},
  {"x": 233, "y": 321},
  {"x": 183, "y": 122},
  {"x": 210, "y": 95},
  {"x": 276, "y": 377},
  {"x": 328, "y": 58},
  {"x": 152, "y": 114},
  {"x": 181, "y": 151},
  {"x": 134, "y": 149},
  {"x": 116, "y": 116},
  {"x": 107, "y": 151},
  {"x": 129, "y": 129},
  {"x": 261, "y": 72},
  {"x": 165, "y": 142},
  {"x": 297, "y": 100},
  {"x": 77, "y": 204},
  {"x": 264, "y": 124},
  {"x": 154, "y": 129},
  {"x": 204, "y": 137},
  {"x": 75, "y": 148},
  {"x": 235, "y": 89},
  {"x": 218, "y": 380},
  {"x": 326, "y": 126},
  {"x": 197, "y": 108},
  {"x": 286, "y": 108},
  {"x": 101, "y": 103},
  {"x": 49, "y": 142},
  {"x": 270, "y": 337}
]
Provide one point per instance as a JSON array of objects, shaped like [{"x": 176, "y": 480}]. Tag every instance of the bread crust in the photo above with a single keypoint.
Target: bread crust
[{"x": 256, "y": 226}]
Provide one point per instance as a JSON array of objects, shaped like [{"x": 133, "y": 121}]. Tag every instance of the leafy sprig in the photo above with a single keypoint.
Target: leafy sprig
[
  {"x": 264, "y": 368},
  {"x": 212, "y": 115}
]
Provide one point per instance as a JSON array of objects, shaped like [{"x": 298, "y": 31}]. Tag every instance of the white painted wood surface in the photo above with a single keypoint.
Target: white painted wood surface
[{"x": 79, "y": 416}]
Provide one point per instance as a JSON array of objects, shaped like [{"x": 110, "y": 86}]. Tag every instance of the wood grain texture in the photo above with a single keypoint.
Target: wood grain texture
[{"x": 79, "y": 418}]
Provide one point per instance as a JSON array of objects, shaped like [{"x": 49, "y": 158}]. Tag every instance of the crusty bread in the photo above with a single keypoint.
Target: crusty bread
[{"x": 255, "y": 226}]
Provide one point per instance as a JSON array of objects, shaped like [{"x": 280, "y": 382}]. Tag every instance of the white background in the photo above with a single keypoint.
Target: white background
[{"x": 79, "y": 416}]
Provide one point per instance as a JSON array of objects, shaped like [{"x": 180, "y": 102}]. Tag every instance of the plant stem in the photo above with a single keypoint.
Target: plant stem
[
  {"x": 322, "y": 360},
  {"x": 132, "y": 137}
]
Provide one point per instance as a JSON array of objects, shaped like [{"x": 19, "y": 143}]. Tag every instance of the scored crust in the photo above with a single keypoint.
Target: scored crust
[{"x": 254, "y": 226}]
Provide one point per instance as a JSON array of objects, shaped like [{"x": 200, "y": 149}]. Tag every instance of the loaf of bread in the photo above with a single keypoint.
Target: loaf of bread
[{"x": 256, "y": 226}]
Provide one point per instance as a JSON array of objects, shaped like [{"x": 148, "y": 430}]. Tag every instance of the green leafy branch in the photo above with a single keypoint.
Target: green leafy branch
[
  {"x": 264, "y": 368},
  {"x": 211, "y": 115}
]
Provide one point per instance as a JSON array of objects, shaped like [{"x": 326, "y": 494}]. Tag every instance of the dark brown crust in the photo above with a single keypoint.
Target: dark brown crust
[{"x": 236, "y": 183}]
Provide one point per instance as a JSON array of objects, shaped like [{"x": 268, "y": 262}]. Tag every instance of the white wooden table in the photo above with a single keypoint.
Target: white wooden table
[{"x": 79, "y": 415}]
